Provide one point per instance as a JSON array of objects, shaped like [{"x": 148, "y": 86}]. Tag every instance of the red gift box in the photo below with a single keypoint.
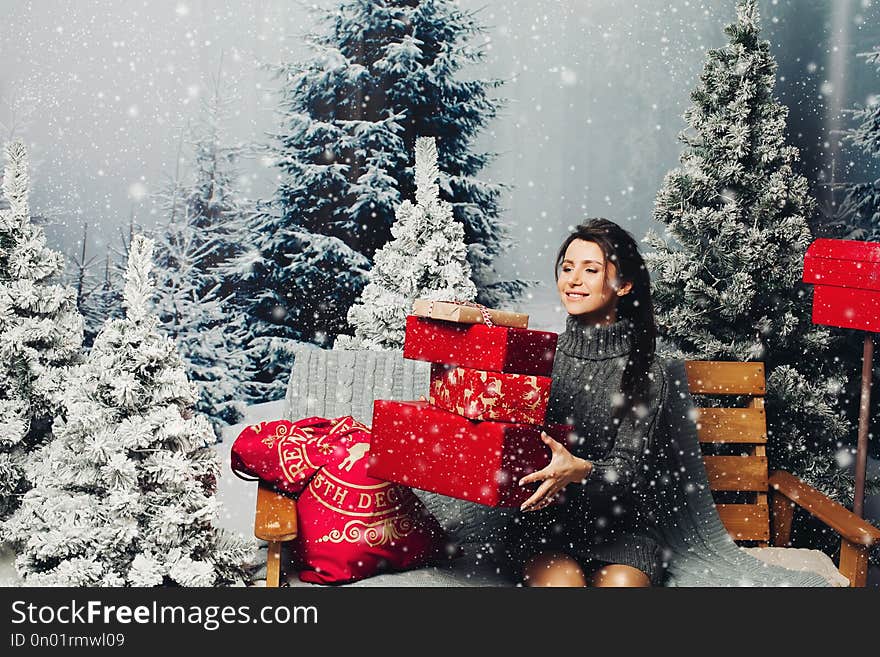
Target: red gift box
[
  {"x": 420, "y": 445},
  {"x": 482, "y": 347},
  {"x": 484, "y": 395}
]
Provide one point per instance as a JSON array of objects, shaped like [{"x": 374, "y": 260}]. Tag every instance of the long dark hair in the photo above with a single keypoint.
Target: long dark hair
[{"x": 635, "y": 307}]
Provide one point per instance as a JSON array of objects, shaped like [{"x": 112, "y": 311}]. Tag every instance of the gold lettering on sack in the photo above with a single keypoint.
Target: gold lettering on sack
[
  {"x": 339, "y": 495},
  {"x": 381, "y": 501},
  {"x": 292, "y": 452},
  {"x": 373, "y": 534}
]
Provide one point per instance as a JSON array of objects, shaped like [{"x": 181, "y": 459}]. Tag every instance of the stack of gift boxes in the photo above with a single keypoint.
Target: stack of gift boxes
[{"x": 480, "y": 431}]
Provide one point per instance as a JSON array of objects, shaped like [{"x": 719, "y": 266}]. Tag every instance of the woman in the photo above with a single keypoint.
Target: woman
[{"x": 589, "y": 522}]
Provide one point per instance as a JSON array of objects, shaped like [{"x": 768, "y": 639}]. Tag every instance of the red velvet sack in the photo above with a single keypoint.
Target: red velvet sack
[
  {"x": 351, "y": 525},
  {"x": 276, "y": 452}
]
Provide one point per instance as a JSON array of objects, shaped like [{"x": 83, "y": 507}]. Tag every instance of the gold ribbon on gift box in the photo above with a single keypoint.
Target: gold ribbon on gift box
[{"x": 468, "y": 312}]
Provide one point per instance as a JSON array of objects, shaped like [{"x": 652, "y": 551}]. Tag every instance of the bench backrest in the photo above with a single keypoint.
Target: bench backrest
[{"x": 733, "y": 441}]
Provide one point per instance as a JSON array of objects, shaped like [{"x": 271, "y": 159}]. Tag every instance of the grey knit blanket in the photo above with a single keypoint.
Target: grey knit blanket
[{"x": 699, "y": 551}]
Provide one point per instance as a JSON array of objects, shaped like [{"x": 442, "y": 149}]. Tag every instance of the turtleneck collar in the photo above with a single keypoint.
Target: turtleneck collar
[{"x": 595, "y": 342}]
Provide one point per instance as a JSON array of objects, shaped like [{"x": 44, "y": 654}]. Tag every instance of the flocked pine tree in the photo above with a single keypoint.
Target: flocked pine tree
[
  {"x": 41, "y": 332},
  {"x": 205, "y": 220},
  {"x": 731, "y": 288},
  {"x": 212, "y": 202},
  {"x": 862, "y": 221},
  {"x": 103, "y": 301},
  {"x": 191, "y": 312},
  {"x": 426, "y": 259},
  {"x": 125, "y": 495},
  {"x": 384, "y": 72}
]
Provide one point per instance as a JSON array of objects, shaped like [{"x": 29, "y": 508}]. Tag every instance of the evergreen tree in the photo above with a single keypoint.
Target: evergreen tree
[
  {"x": 426, "y": 259},
  {"x": 205, "y": 223},
  {"x": 212, "y": 202},
  {"x": 41, "y": 332},
  {"x": 732, "y": 289},
  {"x": 385, "y": 72},
  {"x": 125, "y": 495},
  {"x": 98, "y": 296},
  {"x": 102, "y": 301},
  {"x": 198, "y": 320},
  {"x": 863, "y": 199}
]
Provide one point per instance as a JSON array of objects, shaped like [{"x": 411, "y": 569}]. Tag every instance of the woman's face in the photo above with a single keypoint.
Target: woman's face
[{"x": 588, "y": 284}]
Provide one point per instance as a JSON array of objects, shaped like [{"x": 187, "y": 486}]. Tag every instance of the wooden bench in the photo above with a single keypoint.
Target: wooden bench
[
  {"x": 761, "y": 515},
  {"x": 759, "y": 519}
]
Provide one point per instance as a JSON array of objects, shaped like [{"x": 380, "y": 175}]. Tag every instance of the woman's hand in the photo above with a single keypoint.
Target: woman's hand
[{"x": 564, "y": 468}]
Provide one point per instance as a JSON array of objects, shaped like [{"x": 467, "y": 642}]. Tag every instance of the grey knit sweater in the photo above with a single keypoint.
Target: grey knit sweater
[
  {"x": 609, "y": 517},
  {"x": 587, "y": 373}
]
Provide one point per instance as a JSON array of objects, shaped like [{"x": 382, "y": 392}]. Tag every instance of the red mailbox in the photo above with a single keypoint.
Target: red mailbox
[
  {"x": 846, "y": 292},
  {"x": 846, "y": 279}
]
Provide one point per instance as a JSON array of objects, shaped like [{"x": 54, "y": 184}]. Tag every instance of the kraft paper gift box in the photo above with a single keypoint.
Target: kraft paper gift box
[
  {"x": 481, "y": 347},
  {"x": 485, "y": 395},
  {"x": 420, "y": 445},
  {"x": 468, "y": 314}
]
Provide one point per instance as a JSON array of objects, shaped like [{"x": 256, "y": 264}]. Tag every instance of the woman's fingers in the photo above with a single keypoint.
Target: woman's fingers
[
  {"x": 422, "y": 398},
  {"x": 538, "y": 475},
  {"x": 553, "y": 444},
  {"x": 547, "y": 499},
  {"x": 538, "y": 495}
]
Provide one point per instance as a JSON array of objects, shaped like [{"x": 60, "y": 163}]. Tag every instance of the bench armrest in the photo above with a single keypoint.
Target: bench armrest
[
  {"x": 843, "y": 521},
  {"x": 275, "y": 518}
]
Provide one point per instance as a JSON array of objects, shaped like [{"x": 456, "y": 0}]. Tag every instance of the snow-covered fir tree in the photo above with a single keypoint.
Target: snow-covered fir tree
[
  {"x": 209, "y": 197},
  {"x": 426, "y": 259},
  {"x": 862, "y": 221},
  {"x": 383, "y": 73},
  {"x": 729, "y": 286},
  {"x": 125, "y": 495},
  {"x": 103, "y": 300},
  {"x": 98, "y": 291},
  {"x": 210, "y": 341},
  {"x": 41, "y": 332},
  {"x": 204, "y": 230}
]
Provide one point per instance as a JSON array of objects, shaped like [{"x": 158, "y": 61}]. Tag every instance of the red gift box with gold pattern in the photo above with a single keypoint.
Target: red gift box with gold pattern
[
  {"x": 481, "y": 347},
  {"x": 485, "y": 395},
  {"x": 420, "y": 445}
]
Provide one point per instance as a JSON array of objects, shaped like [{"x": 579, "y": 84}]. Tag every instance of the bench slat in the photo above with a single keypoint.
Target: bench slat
[
  {"x": 276, "y": 518},
  {"x": 737, "y": 473},
  {"x": 745, "y": 522},
  {"x": 712, "y": 377},
  {"x": 732, "y": 425}
]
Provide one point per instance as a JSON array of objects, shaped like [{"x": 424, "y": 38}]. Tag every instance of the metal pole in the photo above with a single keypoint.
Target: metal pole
[{"x": 862, "y": 448}]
